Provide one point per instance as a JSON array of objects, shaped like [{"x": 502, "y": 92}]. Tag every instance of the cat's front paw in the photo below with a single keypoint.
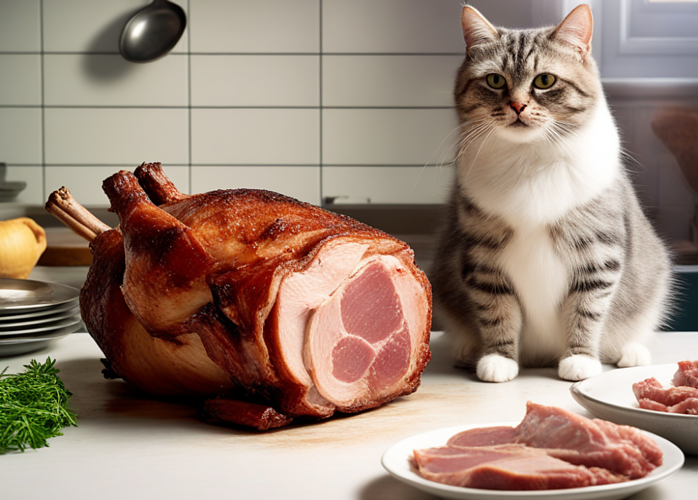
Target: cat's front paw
[
  {"x": 579, "y": 367},
  {"x": 496, "y": 368},
  {"x": 634, "y": 354}
]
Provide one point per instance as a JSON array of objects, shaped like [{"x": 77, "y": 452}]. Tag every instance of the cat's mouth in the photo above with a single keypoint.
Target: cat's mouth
[{"x": 518, "y": 124}]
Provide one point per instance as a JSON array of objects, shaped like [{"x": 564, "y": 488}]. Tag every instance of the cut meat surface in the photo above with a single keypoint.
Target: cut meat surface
[
  {"x": 687, "y": 374},
  {"x": 507, "y": 467},
  {"x": 575, "y": 439},
  {"x": 246, "y": 292},
  {"x": 550, "y": 448},
  {"x": 681, "y": 398},
  {"x": 652, "y": 389},
  {"x": 368, "y": 324}
]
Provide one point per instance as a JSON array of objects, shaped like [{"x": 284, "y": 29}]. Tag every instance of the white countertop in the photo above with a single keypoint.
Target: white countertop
[{"x": 129, "y": 446}]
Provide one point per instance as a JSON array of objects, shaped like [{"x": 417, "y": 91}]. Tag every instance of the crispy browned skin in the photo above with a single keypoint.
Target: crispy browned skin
[{"x": 180, "y": 296}]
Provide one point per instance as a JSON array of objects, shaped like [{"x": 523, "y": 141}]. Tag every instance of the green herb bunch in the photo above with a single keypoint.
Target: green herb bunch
[{"x": 33, "y": 407}]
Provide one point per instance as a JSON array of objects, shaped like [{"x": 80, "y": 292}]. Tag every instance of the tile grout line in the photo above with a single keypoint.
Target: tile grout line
[
  {"x": 43, "y": 102},
  {"x": 189, "y": 94},
  {"x": 320, "y": 98}
]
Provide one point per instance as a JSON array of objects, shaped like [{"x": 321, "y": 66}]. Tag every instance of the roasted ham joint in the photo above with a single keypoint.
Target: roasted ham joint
[{"x": 265, "y": 307}]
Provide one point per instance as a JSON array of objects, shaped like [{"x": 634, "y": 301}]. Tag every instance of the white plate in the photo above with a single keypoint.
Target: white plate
[
  {"x": 610, "y": 396},
  {"x": 396, "y": 462}
]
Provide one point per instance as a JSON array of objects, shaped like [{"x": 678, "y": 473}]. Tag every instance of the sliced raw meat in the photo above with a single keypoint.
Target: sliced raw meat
[
  {"x": 577, "y": 440},
  {"x": 652, "y": 389},
  {"x": 250, "y": 292},
  {"x": 687, "y": 374},
  {"x": 686, "y": 407},
  {"x": 507, "y": 467}
]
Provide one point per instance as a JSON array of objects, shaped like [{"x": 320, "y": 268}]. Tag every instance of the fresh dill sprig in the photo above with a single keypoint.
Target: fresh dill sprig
[{"x": 33, "y": 407}]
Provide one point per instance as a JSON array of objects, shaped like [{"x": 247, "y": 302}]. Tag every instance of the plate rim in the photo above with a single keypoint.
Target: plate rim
[
  {"x": 576, "y": 390},
  {"x": 74, "y": 293},
  {"x": 419, "y": 482},
  {"x": 71, "y": 320},
  {"x": 38, "y": 313}
]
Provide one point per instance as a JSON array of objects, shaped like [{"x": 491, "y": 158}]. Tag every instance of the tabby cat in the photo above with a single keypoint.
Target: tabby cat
[{"x": 547, "y": 258}]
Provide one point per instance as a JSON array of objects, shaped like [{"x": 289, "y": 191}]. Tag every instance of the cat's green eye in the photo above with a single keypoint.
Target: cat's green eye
[
  {"x": 544, "y": 81},
  {"x": 496, "y": 81}
]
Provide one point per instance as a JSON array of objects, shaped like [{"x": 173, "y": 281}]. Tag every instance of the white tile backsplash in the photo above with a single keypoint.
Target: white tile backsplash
[
  {"x": 395, "y": 80},
  {"x": 392, "y": 26},
  {"x": 302, "y": 183},
  {"x": 397, "y": 185},
  {"x": 272, "y": 26},
  {"x": 33, "y": 194},
  {"x": 130, "y": 136},
  {"x": 388, "y": 136},
  {"x": 20, "y": 26},
  {"x": 255, "y": 80},
  {"x": 20, "y": 79},
  {"x": 110, "y": 80},
  {"x": 91, "y": 25},
  {"x": 255, "y": 136},
  {"x": 312, "y": 98},
  {"x": 20, "y": 135}
]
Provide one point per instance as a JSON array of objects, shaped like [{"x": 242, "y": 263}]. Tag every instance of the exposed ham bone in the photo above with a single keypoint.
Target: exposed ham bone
[{"x": 217, "y": 293}]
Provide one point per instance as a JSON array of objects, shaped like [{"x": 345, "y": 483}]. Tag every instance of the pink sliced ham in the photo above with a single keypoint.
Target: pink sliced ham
[
  {"x": 506, "y": 467},
  {"x": 550, "y": 448}
]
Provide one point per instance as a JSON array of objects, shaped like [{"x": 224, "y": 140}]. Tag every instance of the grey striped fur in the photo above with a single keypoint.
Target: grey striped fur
[{"x": 609, "y": 275}]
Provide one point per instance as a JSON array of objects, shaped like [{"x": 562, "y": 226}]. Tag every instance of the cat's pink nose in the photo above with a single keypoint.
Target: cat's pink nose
[{"x": 518, "y": 107}]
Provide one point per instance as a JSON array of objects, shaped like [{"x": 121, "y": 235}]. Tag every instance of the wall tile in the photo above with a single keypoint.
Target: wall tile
[
  {"x": 392, "y": 26},
  {"x": 389, "y": 184},
  {"x": 20, "y": 22},
  {"x": 388, "y": 136},
  {"x": 255, "y": 136},
  {"x": 375, "y": 80},
  {"x": 92, "y": 25},
  {"x": 20, "y": 135},
  {"x": 20, "y": 79},
  {"x": 33, "y": 176},
  {"x": 228, "y": 80},
  {"x": 116, "y": 136},
  {"x": 85, "y": 183},
  {"x": 110, "y": 80},
  {"x": 253, "y": 26},
  {"x": 302, "y": 182}
]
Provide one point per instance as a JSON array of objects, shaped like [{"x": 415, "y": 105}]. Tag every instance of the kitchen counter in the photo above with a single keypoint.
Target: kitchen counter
[{"x": 129, "y": 446}]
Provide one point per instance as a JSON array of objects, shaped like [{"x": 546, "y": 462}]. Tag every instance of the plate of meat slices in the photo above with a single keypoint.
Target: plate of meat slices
[
  {"x": 552, "y": 454},
  {"x": 662, "y": 399}
]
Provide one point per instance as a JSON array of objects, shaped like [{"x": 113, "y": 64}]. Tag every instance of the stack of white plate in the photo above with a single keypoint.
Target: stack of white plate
[{"x": 34, "y": 314}]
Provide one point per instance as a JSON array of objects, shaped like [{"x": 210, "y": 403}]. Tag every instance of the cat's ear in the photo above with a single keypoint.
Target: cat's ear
[
  {"x": 576, "y": 29},
  {"x": 476, "y": 29}
]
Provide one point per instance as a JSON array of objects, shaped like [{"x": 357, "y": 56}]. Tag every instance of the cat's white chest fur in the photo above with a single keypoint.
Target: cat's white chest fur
[
  {"x": 530, "y": 186},
  {"x": 541, "y": 281}
]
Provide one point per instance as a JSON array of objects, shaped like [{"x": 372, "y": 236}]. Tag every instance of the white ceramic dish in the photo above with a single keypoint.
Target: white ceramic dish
[
  {"x": 396, "y": 462},
  {"x": 610, "y": 396}
]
